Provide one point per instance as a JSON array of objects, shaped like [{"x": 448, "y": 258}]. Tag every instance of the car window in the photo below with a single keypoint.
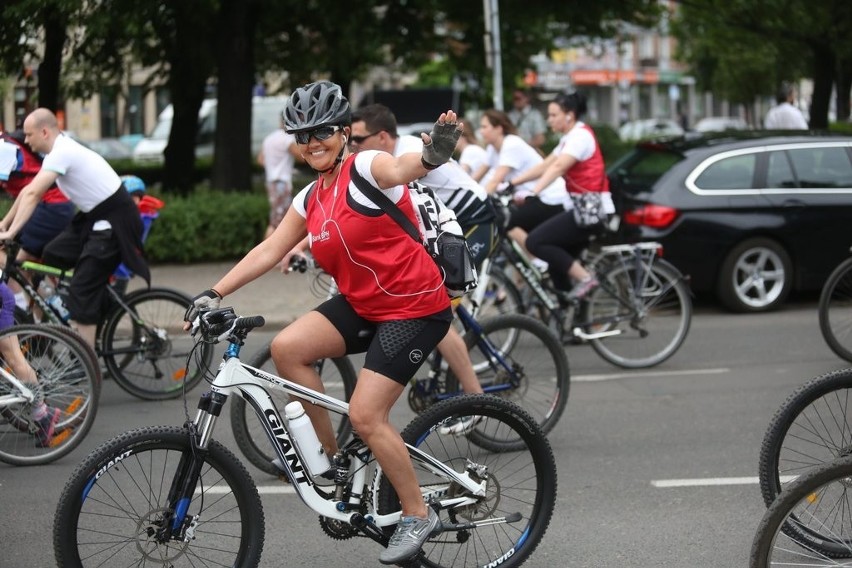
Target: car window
[
  {"x": 736, "y": 172},
  {"x": 779, "y": 172},
  {"x": 640, "y": 169},
  {"x": 822, "y": 167}
]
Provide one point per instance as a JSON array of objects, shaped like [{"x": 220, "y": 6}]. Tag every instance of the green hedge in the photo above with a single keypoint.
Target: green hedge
[{"x": 207, "y": 225}]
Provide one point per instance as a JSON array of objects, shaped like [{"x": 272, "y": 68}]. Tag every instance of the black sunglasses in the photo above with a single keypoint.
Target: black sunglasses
[
  {"x": 360, "y": 139},
  {"x": 321, "y": 133}
]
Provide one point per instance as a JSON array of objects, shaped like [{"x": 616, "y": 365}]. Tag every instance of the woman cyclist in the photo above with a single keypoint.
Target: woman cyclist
[
  {"x": 392, "y": 302},
  {"x": 578, "y": 159},
  {"x": 509, "y": 157}
]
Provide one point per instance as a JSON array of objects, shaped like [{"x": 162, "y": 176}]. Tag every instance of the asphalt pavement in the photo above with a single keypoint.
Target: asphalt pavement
[{"x": 280, "y": 298}]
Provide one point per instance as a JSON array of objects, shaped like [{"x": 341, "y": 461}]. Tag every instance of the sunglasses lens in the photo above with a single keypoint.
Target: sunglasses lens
[{"x": 322, "y": 133}]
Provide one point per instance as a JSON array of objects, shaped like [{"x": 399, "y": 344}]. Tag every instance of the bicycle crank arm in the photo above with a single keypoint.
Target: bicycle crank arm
[
  {"x": 586, "y": 336},
  {"x": 513, "y": 518}
]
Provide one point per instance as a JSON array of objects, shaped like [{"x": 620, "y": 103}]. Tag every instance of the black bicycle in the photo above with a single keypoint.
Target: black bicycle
[{"x": 140, "y": 337}]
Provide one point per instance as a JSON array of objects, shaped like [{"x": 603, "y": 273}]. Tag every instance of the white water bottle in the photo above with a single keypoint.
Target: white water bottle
[{"x": 305, "y": 437}]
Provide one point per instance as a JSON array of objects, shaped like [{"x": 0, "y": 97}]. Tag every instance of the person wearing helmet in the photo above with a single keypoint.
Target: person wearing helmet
[{"x": 392, "y": 303}]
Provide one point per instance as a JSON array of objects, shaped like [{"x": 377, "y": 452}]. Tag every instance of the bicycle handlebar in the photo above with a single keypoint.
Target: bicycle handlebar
[{"x": 219, "y": 324}]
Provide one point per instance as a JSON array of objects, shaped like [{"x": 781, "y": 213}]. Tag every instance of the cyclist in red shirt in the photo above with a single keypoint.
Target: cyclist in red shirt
[{"x": 392, "y": 303}]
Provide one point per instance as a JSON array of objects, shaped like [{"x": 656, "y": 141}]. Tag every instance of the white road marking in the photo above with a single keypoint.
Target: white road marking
[
  {"x": 628, "y": 375},
  {"x": 712, "y": 481}
]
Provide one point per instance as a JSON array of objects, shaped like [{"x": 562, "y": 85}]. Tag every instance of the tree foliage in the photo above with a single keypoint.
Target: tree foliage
[
  {"x": 190, "y": 44},
  {"x": 744, "y": 48}
]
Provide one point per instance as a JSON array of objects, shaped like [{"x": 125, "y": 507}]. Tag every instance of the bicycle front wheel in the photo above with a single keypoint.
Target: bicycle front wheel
[
  {"x": 808, "y": 524},
  {"x": 520, "y": 496},
  {"x": 812, "y": 427},
  {"x": 115, "y": 509},
  {"x": 146, "y": 349},
  {"x": 639, "y": 316},
  {"x": 528, "y": 366},
  {"x": 70, "y": 381},
  {"x": 338, "y": 377},
  {"x": 835, "y": 310}
]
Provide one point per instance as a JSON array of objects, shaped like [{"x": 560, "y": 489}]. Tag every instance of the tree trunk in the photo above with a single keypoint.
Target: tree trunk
[
  {"x": 823, "y": 75},
  {"x": 51, "y": 66},
  {"x": 843, "y": 83},
  {"x": 235, "y": 55},
  {"x": 190, "y": 67}
]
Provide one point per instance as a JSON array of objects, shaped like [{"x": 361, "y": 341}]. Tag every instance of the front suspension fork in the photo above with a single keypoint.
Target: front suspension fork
[{"x": 188, "y": 471}]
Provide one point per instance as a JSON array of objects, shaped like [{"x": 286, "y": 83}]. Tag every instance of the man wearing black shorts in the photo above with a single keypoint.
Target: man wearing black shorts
[{"x": 106, "y": 231}]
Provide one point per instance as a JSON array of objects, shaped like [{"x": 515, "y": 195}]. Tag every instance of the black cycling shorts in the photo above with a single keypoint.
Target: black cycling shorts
[{"x": 395, "y": 349}]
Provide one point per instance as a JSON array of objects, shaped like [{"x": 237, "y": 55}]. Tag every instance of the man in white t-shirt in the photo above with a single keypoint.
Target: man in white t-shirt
[
  {"x": 784, "y": 115},
  {"x": 278, "y": 156},
  {"x": 106, "y": 231}
]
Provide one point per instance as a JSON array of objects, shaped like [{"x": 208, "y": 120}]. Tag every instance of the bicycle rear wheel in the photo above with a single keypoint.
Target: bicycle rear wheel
[
  {"x": 146, "y": 349},
  {"x": 338, "y": 378},
  {"x": 808, "y": 524},
  {"x": 835, "y": 310},
  {"x": 647, "y": 309},
  {"x": 812, "y": 427},
  {"x": 520, "y": 485},
  {"x": 70, "y": 381},
  {"x": 531, "y": 364},
  {"x": 115, "y": 507}
]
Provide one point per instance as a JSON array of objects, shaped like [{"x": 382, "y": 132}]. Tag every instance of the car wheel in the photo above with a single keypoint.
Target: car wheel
[{"x": 756, "y": 276}]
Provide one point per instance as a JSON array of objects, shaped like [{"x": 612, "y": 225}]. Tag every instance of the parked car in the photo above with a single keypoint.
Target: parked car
[
  {"x": 720, "y": 124},
  {"x": 750, "y": 216},
  {"x": 649, "y": 128},
  {"x": 111, "y": 148}
]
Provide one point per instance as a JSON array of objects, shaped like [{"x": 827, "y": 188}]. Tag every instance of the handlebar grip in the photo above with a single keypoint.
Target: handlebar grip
[{"x": 250, "y": 322}]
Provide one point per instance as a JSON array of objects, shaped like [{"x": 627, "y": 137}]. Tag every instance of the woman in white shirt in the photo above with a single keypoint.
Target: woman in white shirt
[
  {"x": 508, "y": 157},
  {"x": 471, "y": 154},
  {"x": 578, "y": 160}
]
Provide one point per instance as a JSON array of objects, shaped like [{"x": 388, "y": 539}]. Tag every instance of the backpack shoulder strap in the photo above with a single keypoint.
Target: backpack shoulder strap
[{"x": 384, "y": 202}]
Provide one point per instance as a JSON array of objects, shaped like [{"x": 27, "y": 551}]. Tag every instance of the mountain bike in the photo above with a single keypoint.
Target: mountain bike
[
  {"x": 835, "y": 310},
  {"x": 140, "y": 337},
  {"x": 637, "y": 317},
  {"x": 809, "y": 523},
  {"x": 174, "y": 496},
  {"x": 69, "y": 379}
]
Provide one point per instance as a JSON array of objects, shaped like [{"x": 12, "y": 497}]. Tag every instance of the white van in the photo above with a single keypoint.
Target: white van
[{"x": 265, "y": 117}]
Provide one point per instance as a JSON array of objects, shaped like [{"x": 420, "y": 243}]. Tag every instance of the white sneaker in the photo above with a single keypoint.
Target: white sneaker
[{"x": 459, "y": 426}]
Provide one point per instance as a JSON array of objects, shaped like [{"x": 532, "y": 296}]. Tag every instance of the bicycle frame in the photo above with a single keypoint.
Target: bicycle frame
[
  {"x": 235, "y": 377},
  {"x": 492, "y": 355},
  {"x": 14, "y": 272},
  {"x": 24, "y": 396}
]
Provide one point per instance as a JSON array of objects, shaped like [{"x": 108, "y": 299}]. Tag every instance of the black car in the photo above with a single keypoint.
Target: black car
[{"x": 749, "y": 216}]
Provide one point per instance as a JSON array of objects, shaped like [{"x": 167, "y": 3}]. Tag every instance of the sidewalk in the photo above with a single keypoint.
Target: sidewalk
[{"x": 278, "y": 298}]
